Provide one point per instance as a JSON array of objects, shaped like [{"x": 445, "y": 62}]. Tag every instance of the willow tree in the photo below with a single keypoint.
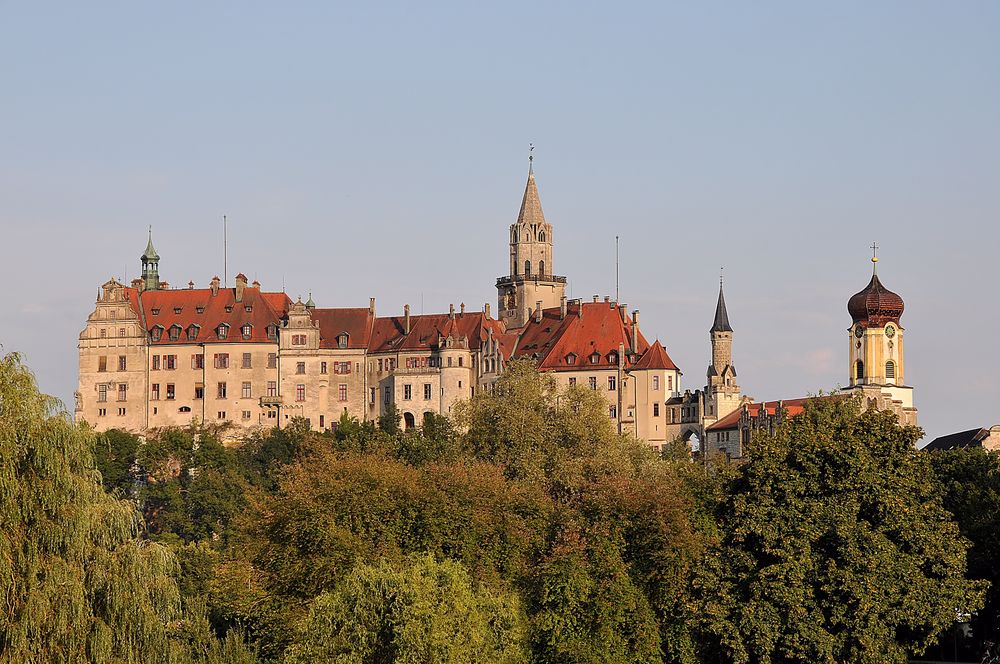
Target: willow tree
[{"x": 77, "y": 581}]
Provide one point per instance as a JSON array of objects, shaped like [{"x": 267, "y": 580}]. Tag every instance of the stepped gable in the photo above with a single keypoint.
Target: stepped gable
[
  {"x": 655, "y": 358},
  {"x": 389, "y": 333},
  {"x": 188, "y": 301},
  {"x": 602, "y": 328},
  {"x": 357, "y": 322}
]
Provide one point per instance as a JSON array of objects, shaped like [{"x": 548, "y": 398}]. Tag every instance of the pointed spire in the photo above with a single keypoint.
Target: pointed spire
[
  {"x": 310, "y": 304},
  {"x": 531, "y": 204},
  {"x": 150, "y": 253},
  {"x": 721, "y": 323}
]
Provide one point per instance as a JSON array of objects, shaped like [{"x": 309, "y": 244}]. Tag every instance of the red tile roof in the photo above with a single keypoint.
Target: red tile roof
[
  {"x": 792, "y": 408},
  {"x": 655, "y": 358},
  {"x": 356, "y": 322},
  {"x": 389, "y": 333},
  {"x": 213, "y": 313}
]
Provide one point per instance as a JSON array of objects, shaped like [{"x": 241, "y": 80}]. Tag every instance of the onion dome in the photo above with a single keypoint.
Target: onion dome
[{"x": 876, "y": 305}]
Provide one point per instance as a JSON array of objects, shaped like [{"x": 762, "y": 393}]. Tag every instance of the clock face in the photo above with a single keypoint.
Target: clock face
[
  {"x": 859, "y": 331},
  {"x": 890, "y": 331}
]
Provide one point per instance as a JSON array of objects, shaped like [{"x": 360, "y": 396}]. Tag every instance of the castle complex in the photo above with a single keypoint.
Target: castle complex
[{"x": 154, "y": 356}]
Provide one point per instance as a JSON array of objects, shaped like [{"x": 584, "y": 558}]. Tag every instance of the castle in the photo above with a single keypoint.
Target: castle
[{"x": 154, "y": 356}]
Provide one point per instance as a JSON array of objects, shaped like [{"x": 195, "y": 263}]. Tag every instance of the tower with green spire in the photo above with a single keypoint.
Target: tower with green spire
[{"x": 150, "y": 266}]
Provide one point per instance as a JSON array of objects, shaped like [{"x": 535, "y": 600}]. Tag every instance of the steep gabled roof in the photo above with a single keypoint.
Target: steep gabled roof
[
  {"x": 531, "y": 204},
  {"x": 721, "y": 323},
  {"x": 960, "y": 440},
  {"x": 655, "y": 358},
  {"x": 213, "y": 313},
  {"x": 389, "y": 333},
  {"x": 357, "y": 322}
]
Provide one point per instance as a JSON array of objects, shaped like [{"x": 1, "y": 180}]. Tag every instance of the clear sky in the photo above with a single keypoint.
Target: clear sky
[{"x": 379, "y": 149}]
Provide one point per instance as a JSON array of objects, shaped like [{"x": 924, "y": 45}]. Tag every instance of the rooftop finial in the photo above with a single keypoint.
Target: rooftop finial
[
  {"x": 531, "y": 158},
  {"x": 722, "y": 273},
  {"x": 874, "y": 257}
]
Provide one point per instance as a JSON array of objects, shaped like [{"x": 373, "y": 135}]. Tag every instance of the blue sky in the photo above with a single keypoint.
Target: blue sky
[{"x": 364, "y": 149}]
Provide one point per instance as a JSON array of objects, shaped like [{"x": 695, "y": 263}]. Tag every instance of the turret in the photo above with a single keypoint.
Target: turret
[{"x": 150, "y": 266}]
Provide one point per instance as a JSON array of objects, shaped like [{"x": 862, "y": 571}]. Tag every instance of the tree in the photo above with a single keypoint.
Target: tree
[
  {"x": 77, "y": 581},
  {"x": 388, "y": 421},
  {"x": 421, "y": 611},
  {"x": 835, "y": 546},
  {"x": 115, "y": 453}
]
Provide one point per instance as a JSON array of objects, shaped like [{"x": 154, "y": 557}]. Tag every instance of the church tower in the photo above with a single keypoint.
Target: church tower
[
  {"x": 531, "y": 282},
  {"x": 722, "y": 391},
  {"x": 150, "y": 266}
]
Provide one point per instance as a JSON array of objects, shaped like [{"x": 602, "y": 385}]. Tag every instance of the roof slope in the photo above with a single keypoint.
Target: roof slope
[
  {"x": 181, "y": 308},
  {"x": 721, "y": 323},
  {"x": 357, "y": 322},
  {"x": 655, "y": 358},
  {"x": 960, "y": 440}
]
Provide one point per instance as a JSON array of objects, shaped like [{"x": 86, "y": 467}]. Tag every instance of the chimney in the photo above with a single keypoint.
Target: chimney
[
  {"x": 486, "y": 309},
  {"x": 635, "y": 331},
  {"x": 214, "y": 285},
  {"x": 579, "y": 308},
  {"x": 597, "y": 298},
  {"x": 607, "y": 299},
  {"x": 406, "y": 318},
  {"x": 538, "y": 311},
  {"x": 451, "y": 311},
  {"x": 462, "y": 308},
  {"x": 371, "y": 306},
  {"x": 256, "y": 284},
  {"x": 241, "y": 284},
  {"x": 562, "y": 307},
  {"x": 190, "y": 285}
]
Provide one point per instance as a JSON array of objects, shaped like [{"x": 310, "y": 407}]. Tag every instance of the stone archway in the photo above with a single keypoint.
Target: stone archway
[{"x": 408, "y": 421}]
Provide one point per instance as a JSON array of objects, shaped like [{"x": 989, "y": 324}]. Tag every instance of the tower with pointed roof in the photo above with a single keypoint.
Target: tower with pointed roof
[
  {"x": 722, "y": 393},
  {"x": 530, "y": 282},
  {"x": 150, "y": 266}
]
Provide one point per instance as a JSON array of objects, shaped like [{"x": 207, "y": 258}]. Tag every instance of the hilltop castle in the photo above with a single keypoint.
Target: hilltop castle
[{"x": 154, "y": 356}]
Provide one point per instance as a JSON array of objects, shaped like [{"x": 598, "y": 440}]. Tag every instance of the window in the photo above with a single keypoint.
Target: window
[
  {"x": 229, "y": 308},
  {"x": 247, "y": 362},
  {"x": 342, "y": 392},
  {"x": 122, "y": 392},
  {"x": 322, "y": 367},
  {"x": 341, "y": 367},
  {"x": 322, "y": 421},
  {"x": 221, "y": 361},
  {"x": 170, "y": 362},
  {"x": 102, "y": 363},
  {"x": 170, "y": 391},
  {"x": 859, "y": 371},
  {"x": 461, "y": 361},
  {"x": 247, "y": 330},
  {"x": 199, "y": 391},
  {"x": 380, "y": 366},
  {"x": 192, "y": 332},
  {"x": 612, "y": 383},
  {"x": 177, "y": 310},
  {"x": 248, "y": 308},
  {"x": 221, "y": 415},
  {"x": 101, "y": 412},
  {"x": 407, "y": 392},
  {"x": 300, "y": 392},
  {"x": 613, "y": 412},
  {"x": 154, "y": 392},
  {"x": 272, "y": 332},
  {"x": 527, "y": 268},
  {"x": 200, "y": 310},
  {"x": 246, "y": 414},
  {"x": 572, "y": 381},
  {"x": 541, "y": 265},
  {"x": 222, "y": 331},
  {"x": 593, "y": 382},
  {"x": 272, "y": 360},
  {"x": 656, "y": 383},
  {"x": 121, "y": 331},
  {"x": 670, "y": 383},
  {"x": 102, "y": 393},
  {"x": 156, "y": 311},
  {"x": 371, "y": 396},
  {"x": 221, "y": 393},
  {"x": 198, "y": 361},
  {"x": 272, "y": 388},
  {"x": 342, "y": 341},
  {"x": 613, "y": 357},
  {"x": 298, "y": 340},
  {"x": 122, "y": 363},
  {"x": 245, "y": 392},
  {"x": 154, "y": 334},
  {"x": 427, "y": 391},
  {"x": 595, "y": 358},
  {"x": 656, "y": 409},
  {"x": 113, "y": 314},
  {"x": 890, "y": 370},
  {"x": 571, "y": 358},
  {"x": 175, "y": 332},
  {"x": 300, "y": 367},
  {"x": 387, "y": 398},
  {"x": 104, "y": 332},
  {"x": 121, "y": 411}
]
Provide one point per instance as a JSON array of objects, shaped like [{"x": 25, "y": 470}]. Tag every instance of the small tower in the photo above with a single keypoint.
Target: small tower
[
  {"x": 531, "y": 276},
  {"x": 150, "y": 266},
  {"x": 876, "y": 359},
  {"x": 722, "y": 391}
]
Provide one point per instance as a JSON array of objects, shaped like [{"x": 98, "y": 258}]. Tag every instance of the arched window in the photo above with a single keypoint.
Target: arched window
[
  {"x": 859, "y": 371},
  {"x": 541, "y": 268},
  {"x": 527, "y": 268},
  {"x": 541, "y": 236},
  {"x": 890, "y": 370}
]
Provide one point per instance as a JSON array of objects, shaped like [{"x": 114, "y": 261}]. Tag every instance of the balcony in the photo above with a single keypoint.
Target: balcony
[{"x": 521, "y": 279}]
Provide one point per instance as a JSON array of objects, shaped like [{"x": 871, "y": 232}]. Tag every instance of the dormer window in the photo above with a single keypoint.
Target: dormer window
[
  {"x": 175, "y": 332},
  {"x": 248, "y": 308},
  {"x": 156, "y": 311},
  {"x": 200, "y": 310},
  {"x": 247, "y": 330},
  {"x": 571, "y": 358},
  {"x": 613, "y": 357},
  {"x": 342, "y": 340},
  {"x": 155, "y": 333},
  {"x": 272, "y": 332},
  {"x": 222, "y": 331},
  {"x": 229, "y": 308},
  {"x": 192, "y": 332},
  {"x": 595, "y": 358},
  {"x": 177, "y": 310}
]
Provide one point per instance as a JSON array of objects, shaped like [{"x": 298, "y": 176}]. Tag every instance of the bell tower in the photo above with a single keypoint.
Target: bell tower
[
  {"x": 531, "y": 278},
  {"x": 150, "y": 266},
  {"x": 722, "y": 391}
]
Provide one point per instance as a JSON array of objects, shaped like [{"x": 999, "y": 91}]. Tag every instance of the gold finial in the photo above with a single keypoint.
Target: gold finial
[
  {"x": 531, "y": 158},
  {"x": 874, "y": 256}
]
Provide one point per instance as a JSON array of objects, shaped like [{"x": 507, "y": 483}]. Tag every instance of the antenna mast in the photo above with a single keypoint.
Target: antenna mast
[
  {"x": 616, "y": 268},
  {"x": 225, "y": 252}
]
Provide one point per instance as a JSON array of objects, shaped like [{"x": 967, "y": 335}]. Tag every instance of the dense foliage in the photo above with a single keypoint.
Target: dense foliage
[{"x": 523, "y": 529}]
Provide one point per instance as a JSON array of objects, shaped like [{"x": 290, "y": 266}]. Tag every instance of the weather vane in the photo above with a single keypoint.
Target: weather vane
[
  {"x": 874, "y": 255},
  {"x": 531, "y": 157}
]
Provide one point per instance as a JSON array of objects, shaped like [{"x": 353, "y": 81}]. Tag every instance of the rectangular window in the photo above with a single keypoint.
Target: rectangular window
[
  {"x": 199, "y": 391},
  {"x": 612, "y": 383},
  {"x": 593, "y": 382},
  {"x": 221, "y": 415},
  {"x": 272, "y": 388},
  {"x": 245, "y": 392},
  {"x": 407, "y": 392},
  {"x": 272, "y": 360},
  {"x": 222, "y": 360},
  {"x": 298, "y": 340},
  {"x": 246, "y": 361},
  {"x": 341, "y": 367},
  {"x": 372, "y": 395},
  {"x": 342, "y": 392},
  {"x": 449, "y": 361},
  {"x": 170, "y": 391},
  {"x": 300, "y": 392},
  {"x": 101, "y": 412},
  {"x": 154, "y": 392},
  {"x": 656, "y": 409},
  {"x": 427, "y": 391},
  {"x": 121, "y": 331},
  {"x": 221, "y": 393},
  {"x": 102, "y": 393},
  {"x": 656, "y": 383},
  {"x": 246, "y": 414},
  {"x": 670, "y": 383},
  {"x": 170, "y": 362},
  {"x": 121, "y": 411},
  {"x": 322, "y": 422},
  {"x": 122, "y": 391},
  {"x": 122, "y": 363},
  {"x": 461, "y": 361},
  {"x": 322, "y": 367},
  {"x": 102, "y": 363},
  {"x": 156, "y": 362},
  {"x": 572, "y": 381},
  {"x": 613, "y": 412},
  {"x": 104, "y": 332},
  {"x": 300, "y": 367},
  {"x": 387, "y": 398},
  {"x": 380, "y": 366},
  {"x": 198, "y": 361}
]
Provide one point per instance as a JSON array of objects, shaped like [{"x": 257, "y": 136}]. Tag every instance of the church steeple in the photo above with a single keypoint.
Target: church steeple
[
  {"x": 150, "y": 265},
  {"x": 721, "y": 372},
  {"x": 721, "y": 323}
]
